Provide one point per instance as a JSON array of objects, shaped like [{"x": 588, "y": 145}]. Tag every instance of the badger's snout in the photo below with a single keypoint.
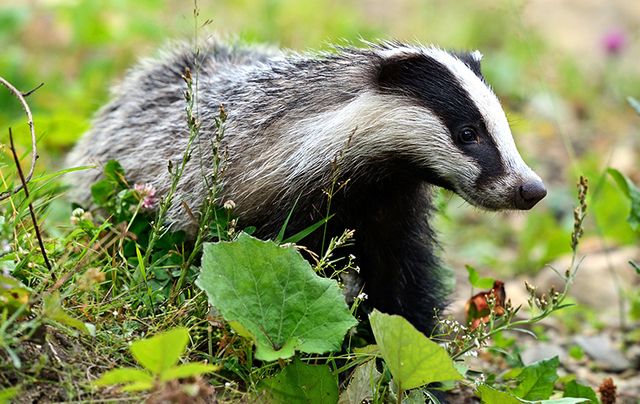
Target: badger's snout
[{"x": 529, "y": 193}]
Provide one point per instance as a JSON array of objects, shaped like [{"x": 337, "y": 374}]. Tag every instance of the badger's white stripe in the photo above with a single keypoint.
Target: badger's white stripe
[
  {"x": 477, "y": 55},
  {"x": 379, "y": 123},
  {"x": 491, "y": 110},
  {"x": 484, "y": 99}
]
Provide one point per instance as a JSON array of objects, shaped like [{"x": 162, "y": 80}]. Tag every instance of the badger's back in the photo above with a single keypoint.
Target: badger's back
[{"x": 145, "y": 124}]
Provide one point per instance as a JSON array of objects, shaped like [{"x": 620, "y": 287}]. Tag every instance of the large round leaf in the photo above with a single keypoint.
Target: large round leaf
[
  {"x": 276, "y": 296},
  {"x": 413, "y": 359}
]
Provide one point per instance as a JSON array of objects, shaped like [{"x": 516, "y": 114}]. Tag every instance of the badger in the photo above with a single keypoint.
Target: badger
[{"x": 403, "y": 119}]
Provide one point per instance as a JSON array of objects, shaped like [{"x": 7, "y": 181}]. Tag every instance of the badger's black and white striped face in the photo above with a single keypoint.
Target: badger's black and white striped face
[{"x": 455, "y": 128}]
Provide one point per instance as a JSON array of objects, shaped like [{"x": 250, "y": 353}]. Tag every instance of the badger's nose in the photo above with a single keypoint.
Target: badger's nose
[{"x": 529, "y": 193}]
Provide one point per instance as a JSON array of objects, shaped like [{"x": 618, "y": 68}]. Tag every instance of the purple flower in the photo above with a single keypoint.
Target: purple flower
[
  {"x": 147, "y": 194},
  {"x": 613, "y": 42}
]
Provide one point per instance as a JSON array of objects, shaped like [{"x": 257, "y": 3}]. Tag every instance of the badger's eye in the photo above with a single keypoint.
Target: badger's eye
[{"x": 468, "y": 135}]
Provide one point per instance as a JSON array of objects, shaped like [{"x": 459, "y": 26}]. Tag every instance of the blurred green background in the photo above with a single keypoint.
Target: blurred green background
[{"x": 562, "y": 68}]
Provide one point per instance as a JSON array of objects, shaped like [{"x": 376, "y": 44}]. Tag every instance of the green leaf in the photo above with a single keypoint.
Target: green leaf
[
  {"x": 301, "y": 383},
  {"x": 476, "y": 281},
  {"x": 564, "y": 400},
  {"x": 125, "y": 376},
  {"x": 112, "y": 183},
  {"x": 577, "y": 390},
  {"x": 240, "y": 329},
  {"x": 161, "y": 351},
  {"x": 414, "y": 360},
  {"x": 187, "y": 370},
  {"x": 363, "y": 384},
  {"x": 632, "y": 192},
  {"x": 536, "y": 380},
  {"x": 419, "y": 396},
  {"x": 275, "y": 295},
  {"x": 114, "y": 172},
  {"x": 101, "y": 191},
  {"x": 137, "y": 386},
  {"x": 623, "y": 182},
  {"x": 489, "y": 395},
  {"x": 52, "y": 309},
  {"x": 371, "y": 350},
  {"x": 9, "y": 393}
]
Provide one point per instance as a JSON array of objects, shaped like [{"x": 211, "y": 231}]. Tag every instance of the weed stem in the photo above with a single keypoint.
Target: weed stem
[{"x": 31, "y": 210}]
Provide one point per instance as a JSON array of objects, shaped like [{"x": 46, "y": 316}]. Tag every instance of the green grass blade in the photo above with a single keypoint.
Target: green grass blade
[
  {"x": 304, "y": 233},
  {"x": 280, "y": 235}
]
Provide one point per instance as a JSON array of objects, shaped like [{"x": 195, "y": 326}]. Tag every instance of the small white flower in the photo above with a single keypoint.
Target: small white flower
[
  {"x": 229, "y": 205},
  {"x": 480, "y": 380},
  {"x": 76, "y": 216},
  {"x": 472, "y": 353},
  {"x": 77, "y": 212},
  {"x": 362, "y": 296}
]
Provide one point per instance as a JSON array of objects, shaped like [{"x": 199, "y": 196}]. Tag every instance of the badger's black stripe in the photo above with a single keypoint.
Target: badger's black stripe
[{"x": 431, "y": 84}]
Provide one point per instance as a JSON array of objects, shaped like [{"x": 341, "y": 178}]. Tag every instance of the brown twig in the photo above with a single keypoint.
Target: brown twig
[
  {"x": 34, "y": 152},
  {"x": 31, "y": 210}
]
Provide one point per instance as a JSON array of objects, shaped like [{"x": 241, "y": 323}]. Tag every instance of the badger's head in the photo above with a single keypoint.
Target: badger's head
[{"x": 452, "y": 127}]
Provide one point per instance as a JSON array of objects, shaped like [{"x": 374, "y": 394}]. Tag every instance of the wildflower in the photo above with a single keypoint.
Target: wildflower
[
  {"x": 613, "y": 42},
  {"x": 480, "y": 380},
  {"x": 471, "y": 353},
  {"x": 362, "y": 296},
  {"x": 147, "y": 194},
  {"x": 229, "y": 205},
  {"x": 76, "y": 216}
]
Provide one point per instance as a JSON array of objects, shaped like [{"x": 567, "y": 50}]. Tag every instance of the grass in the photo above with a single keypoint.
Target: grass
[{"x": 117, "y": 280}]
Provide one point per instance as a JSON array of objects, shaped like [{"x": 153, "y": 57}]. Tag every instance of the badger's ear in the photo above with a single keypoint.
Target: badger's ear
[
  {"x": 395, "y": 69},
  {"x": 471, "y": 59}
]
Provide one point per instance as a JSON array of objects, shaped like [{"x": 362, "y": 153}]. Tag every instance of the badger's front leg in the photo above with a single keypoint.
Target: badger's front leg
[{"x": 396, "y": 251}]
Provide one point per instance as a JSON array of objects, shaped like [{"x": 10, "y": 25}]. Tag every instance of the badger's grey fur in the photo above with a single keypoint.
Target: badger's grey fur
[{"x": 403, "y": 117}]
